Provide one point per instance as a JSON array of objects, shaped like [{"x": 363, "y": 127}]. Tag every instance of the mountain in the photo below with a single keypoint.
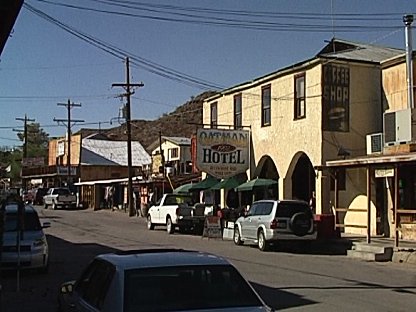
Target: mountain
[{"x": 182, "y": 122}]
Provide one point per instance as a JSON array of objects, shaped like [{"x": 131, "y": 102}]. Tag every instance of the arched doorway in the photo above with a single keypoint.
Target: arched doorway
[
  {"x": 266, "y": 169},
  {"x": 302, "y": 177}
]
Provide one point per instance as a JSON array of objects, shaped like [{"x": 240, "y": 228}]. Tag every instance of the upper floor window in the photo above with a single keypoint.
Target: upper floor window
[
  {"x": 300, "y": 103},
  {"x": 266, "y": 105},
  {"x": 238, "y": 123},
  {"x": 174, "y": 152},
  {"x": 214, "y": 115}
]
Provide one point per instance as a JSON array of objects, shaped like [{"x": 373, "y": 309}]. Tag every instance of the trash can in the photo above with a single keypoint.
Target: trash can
[{"x": 325, "y": 226}]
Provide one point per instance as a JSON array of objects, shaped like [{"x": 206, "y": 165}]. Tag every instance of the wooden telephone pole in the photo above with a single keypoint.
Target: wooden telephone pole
[
  {"x": 129, "y": 91},
  {"x": 25, "y": 120},
  {"x": 68, "y": 123}
]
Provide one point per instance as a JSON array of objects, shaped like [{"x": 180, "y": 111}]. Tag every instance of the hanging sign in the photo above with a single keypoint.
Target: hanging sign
[
  {"x": 384, "y": 173},
  {"x": 222, "y": 153}
]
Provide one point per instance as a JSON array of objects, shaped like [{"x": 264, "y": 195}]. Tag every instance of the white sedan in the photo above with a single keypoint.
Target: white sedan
[{"x": 160, "y": 280}]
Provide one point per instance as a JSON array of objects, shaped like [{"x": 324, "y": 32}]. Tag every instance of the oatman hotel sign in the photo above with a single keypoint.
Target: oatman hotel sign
[{"x": 222, "y": 153}]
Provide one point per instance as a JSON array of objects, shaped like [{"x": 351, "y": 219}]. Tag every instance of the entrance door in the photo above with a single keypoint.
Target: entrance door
[{"x": 382, "y": 227}]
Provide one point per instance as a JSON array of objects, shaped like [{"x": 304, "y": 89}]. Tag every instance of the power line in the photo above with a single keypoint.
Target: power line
[
  {"x": 212, "y": 17},
  {"x": 140, "y": 62}
]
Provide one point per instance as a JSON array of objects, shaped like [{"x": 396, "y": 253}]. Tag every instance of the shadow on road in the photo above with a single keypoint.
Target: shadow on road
[{"x": 38, "y": 292}]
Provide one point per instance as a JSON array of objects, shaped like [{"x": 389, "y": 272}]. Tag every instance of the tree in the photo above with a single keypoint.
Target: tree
[{"x": 37, "y": 140}]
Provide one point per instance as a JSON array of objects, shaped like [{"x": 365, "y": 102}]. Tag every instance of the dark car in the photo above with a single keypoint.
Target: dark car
[
  {"x": 160, "y": 280},
  {"x": 40, "y": 192}
]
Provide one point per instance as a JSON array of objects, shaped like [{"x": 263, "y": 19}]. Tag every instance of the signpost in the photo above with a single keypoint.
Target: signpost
[{"x": 212, "y": 227}]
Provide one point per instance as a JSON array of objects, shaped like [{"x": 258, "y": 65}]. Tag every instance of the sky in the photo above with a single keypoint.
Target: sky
[{"x": 75, "y": 50}]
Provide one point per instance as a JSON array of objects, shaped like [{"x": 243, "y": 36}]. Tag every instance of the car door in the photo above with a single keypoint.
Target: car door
[
  {"x": 169, "y": 208},
  {"x": 247, "y": 224},
  {"x": 155, "y": 212}
]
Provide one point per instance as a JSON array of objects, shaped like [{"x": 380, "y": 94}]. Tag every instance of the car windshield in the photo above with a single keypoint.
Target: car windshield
[
  {"x": 31, "y": 222},
  {"x": 182, "y": 288}
]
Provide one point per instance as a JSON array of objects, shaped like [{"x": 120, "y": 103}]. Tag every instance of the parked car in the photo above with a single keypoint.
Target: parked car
[
  {"x": 34, "y": 251},
  {"x": 269, "y": 221},
  {"x": 40, "y": 192},
  {"x": 176, "y": 211},
  {"x": 60, "y": 197},
  {"x": 159, "y": 280}
]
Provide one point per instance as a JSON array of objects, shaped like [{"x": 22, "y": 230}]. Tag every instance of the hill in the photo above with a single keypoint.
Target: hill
[{"x": 183, "y": 122}]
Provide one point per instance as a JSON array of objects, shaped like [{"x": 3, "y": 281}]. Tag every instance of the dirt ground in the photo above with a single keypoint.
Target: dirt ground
[{"x": 39, "y": 291}]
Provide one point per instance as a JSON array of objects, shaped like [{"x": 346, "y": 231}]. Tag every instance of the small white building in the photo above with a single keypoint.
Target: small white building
[{"x": 176, "y": 153}]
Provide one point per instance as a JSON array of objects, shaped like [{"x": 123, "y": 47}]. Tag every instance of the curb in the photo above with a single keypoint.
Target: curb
[{"x": 404, "y": 256}]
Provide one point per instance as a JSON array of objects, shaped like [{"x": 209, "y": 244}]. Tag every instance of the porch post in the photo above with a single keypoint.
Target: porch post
[
  {"x": 336, "y": 200},
  {"x": 368, "y": 205},
  {"x": 396, "y": 205}
]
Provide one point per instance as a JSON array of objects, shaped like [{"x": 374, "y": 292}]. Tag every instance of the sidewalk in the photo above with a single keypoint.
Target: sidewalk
[{"x": 404, "y": 253}]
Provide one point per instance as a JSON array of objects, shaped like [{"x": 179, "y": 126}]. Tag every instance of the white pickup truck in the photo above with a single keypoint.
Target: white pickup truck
[
  {"x": 176, "y": 211},
  {"x": 60, "y": 197}
]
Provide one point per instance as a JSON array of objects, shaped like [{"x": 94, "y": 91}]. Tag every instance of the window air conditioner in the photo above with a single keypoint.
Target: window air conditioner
[
  {"x": 399, "y": 127},
  {"x": 374, "y": 143}
]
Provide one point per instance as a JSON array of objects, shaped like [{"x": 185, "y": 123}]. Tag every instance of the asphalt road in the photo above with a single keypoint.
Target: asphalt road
[{"x": 288, "y": 278}]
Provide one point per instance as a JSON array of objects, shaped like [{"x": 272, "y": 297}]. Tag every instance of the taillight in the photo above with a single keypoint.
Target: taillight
[{"x": 273, "y": 224}]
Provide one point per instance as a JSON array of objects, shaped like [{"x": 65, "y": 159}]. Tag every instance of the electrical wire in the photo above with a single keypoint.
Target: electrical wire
[
  {"x": 137, "y": 61},
  {"x": 211, "y": 17}
]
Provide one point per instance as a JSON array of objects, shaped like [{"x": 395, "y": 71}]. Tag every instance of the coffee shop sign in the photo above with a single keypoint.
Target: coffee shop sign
[{"x": 222, "y": 153}]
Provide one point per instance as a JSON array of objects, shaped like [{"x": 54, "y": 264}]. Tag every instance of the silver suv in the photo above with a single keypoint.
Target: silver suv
[{"x": 268, "y": 221}]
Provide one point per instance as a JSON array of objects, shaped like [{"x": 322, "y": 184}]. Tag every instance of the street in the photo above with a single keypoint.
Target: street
[{"x": 286, "y": 278}]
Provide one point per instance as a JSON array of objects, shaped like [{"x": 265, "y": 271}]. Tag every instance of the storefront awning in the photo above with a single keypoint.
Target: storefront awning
[
  {"x": 207, "y": 183},
  {"x": 109, "y": 181}
]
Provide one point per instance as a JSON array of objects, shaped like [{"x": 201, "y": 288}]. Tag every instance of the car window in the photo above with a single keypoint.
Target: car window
[
  {"x": 94, "y": 283},
  {"x": 61, "y": 191},
  {"x": 31, "y": 222},
  {"x": 266, "y": 208},
  {"x": 287, "y": 210},
  {"x": 170, "y": 200},
  {"x": 201, "y": 287},
  {"x": 253, "y": 210}
]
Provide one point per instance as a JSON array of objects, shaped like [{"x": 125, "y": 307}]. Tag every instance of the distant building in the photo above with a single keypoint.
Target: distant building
[{"x": 176, "y": 153}]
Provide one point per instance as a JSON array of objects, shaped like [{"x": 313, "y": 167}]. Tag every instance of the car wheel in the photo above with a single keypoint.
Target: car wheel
[
  {"x": 237, "y": 237},
  {"x": 150, "y": 225},
  {"x": 262, "y": 243},
  {"x": 300, "y": 224},
  {"x": 170, "y": 228}
]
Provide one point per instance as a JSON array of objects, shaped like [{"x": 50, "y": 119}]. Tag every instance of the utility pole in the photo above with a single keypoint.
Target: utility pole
[
  {"x": 162, "y": 159},
  {"x": 67, "y": 122},
  {"x": 129, "y": 91},
  {"x": 25, "y": 120}
]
